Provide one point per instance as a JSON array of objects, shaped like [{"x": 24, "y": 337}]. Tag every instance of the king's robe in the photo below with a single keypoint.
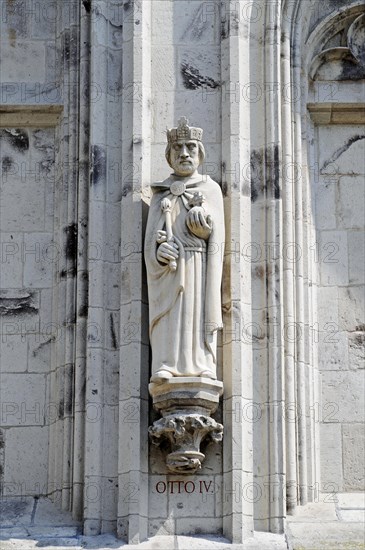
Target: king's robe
[{"x": 185, "y": 304}]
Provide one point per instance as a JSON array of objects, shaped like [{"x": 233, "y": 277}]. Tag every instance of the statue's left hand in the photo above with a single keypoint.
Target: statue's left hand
[{"x": 197, "y": 223}]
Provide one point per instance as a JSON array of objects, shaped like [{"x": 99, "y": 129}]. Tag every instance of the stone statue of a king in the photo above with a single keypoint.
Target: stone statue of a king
[{"x": 184, "y": 255}]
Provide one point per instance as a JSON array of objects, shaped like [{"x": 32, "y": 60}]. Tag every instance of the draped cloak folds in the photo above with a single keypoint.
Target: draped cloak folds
[{"x": 185, "y": 305}]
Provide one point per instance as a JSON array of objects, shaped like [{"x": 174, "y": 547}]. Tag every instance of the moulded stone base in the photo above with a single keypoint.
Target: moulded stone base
[
  {"x": 193, "y": 393},
  {"x": 186, "y": 405}
]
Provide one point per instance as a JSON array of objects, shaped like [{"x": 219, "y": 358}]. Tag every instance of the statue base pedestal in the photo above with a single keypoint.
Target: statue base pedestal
[{"x": 185, "y": 405}]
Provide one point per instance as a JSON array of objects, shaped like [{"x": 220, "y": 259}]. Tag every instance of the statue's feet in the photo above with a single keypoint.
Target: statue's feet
[{"x": 160, "y": 376}]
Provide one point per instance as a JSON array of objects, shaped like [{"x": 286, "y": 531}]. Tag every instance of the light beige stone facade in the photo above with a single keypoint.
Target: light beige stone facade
[{"x": 87, "y": 91}]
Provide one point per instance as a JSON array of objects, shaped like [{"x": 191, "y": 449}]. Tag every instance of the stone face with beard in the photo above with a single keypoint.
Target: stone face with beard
[{"x": 185, "y": 302}]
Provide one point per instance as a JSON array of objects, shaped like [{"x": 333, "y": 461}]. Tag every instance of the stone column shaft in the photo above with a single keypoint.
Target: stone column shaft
[
  {"x": 134, "y": 353},
  {"x": 237, "y": 355}
]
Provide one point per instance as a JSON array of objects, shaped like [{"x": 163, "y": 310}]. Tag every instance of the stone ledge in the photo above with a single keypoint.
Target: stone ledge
[
  {"x": 38, "y": 116},
  {"x": 337, "y": 113}
]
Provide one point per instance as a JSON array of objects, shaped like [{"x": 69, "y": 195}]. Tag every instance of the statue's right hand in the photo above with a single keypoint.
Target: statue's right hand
[{"x": 167, "y": 251}]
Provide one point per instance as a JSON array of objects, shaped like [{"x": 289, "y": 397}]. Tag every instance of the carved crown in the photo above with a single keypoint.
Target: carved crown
[{"x": 184, "y": 131}]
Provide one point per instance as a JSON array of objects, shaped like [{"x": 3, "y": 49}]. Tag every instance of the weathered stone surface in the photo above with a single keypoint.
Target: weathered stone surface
[
  {"x": 26, "y": 460},
  {"x": 15, "y": 511},
  {"x": 350, "y": 201},
  {"x": 356, "y": 248},
  {"x": 24, "y": 403},
  {"x": 334, "y": 258},
  {"x": 325, "y": 536},
  {"x": 331, "y": 458},
  {"x": 351, "y": 500},
  {"x": 13, "y": 353},
  {"x": 353, "y": 445},
  {"x": 353, "y": 516},
  {"x": 25, "y": 63},
  {"x": 343, "y": 393}
]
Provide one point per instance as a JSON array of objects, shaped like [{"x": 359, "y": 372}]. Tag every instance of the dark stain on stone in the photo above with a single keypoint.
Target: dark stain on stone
[
  {"x": 12, "y": 37},
  {"x": 61, "y": 409},
  {"x": 72, "y": 272},
  {"x": 272, "y": 165},
  {"x": 257, "y": 176},
  {"x": 224, "y": 182},
  {"x": 87, "y": 5},
  {"x": 112, "y": 332},
  {"x": 265, "y": 172},
  {"x": 17, "y": 138},
  {"x": 254, "y": 193},
  {"x": 18, "y": 306},
  {"x": 42, "y": 345},
  {"x": 98, "y": 164},
  {"x": 83, "y": 311},
  {"x": 360, "y": 340},
  {"x": 342, "y": 149},
  {"x": 94, "y": 392},
  {"x": 259, "y": 272},
  {"x": 352, "y": 70},
  {"x": 193, "y": 80},
  {"x": 127, "y": 5},
  {"x": 225, "y": 29},
  {"x": 360, "y": 328},
  {"x": 7, "y": 163},
  {"x": 126, "y": 189},
  {"x": 68, "y": 404},
  {"x": 71, "y": 245},
  {"x": 70, "y": 46}
]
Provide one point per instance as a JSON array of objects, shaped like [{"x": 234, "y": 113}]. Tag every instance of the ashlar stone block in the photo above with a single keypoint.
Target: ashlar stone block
[
  {"x": 25, "y": 63},
  {"x": 343, "y": 396},
  {"x": 353, "y": 457},
  {"x": 331, "y": 457},
  {"x": 334, "y": 258},
  {"x": 26, "y": 460},
  {"x": 351, "y": 200},
  {"x": 24, "y": 401},
  {"x": 13, "y": 353}
]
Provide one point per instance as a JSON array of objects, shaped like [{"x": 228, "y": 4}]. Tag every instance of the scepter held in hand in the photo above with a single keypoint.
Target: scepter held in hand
[{"x": 166, "y": 209}]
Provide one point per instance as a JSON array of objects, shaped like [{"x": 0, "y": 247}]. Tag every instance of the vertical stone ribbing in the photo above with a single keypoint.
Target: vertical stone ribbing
[
  {"x": 237, "y": 355},
  {"x": 72, "y": 87},
  {"x": 298, "y": 255},
  {"x": 134, "y": 365},
  {"x": 82, "y": 273},
  {"x": 274, "y": 269},
  {"x": 288, "y": 273},
  {"x": 96, "y": 254},
  {"x": 64, "y": 313}
]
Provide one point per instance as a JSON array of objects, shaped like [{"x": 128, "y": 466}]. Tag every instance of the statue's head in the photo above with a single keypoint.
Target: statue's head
[{"x": 185, "y": 150}]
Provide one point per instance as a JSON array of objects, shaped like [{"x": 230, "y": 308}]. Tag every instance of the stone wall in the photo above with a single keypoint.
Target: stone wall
[
  {"x": 87, "y": 91},
  {"x": 28, "y": 262},
  {"x": 340, "y": 228}
]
